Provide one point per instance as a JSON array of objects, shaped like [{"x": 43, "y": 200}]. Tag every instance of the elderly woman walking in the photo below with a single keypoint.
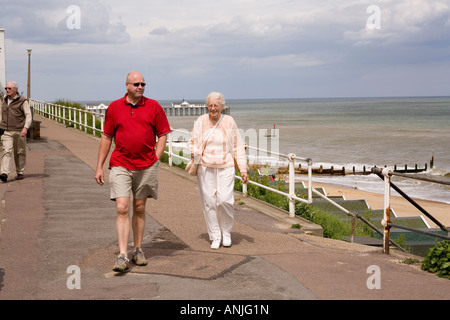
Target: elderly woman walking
[{"x": 216, "y": 146}]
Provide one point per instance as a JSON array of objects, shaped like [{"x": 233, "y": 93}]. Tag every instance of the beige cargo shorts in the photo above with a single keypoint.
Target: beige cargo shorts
[{"x": 141, "y": 184}]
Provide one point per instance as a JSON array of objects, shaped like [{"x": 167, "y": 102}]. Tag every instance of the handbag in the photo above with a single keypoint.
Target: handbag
[{"x": 192, "y": 167}]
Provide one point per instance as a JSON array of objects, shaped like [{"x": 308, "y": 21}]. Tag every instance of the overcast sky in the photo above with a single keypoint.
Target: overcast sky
[{"x": 245, "y": 48}]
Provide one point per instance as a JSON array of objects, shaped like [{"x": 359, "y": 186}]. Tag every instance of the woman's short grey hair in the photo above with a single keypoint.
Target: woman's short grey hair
[{"x": 216, "y": 95}]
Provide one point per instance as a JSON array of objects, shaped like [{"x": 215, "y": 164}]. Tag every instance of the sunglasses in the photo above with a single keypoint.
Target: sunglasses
[
  {"x": 8, "y": 88},
  {"x": 139, "y": 83}
]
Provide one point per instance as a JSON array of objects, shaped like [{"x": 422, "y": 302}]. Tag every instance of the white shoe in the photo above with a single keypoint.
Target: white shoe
[
  {"x": 215, "y": 244},
  {"x": 226, "y": 241}
]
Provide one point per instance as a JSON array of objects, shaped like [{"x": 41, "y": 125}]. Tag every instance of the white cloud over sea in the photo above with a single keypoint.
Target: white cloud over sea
[{"x": 246, "y": 48}]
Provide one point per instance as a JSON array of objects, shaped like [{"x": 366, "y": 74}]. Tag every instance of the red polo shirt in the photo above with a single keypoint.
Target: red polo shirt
[{"x": 134, "y": 129}]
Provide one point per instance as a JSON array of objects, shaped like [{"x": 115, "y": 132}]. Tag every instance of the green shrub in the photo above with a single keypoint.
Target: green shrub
[
  {"x": 262, "y": 194},
  {"x": 333, "y": 226},
  {"x": 438, "y": 260}
]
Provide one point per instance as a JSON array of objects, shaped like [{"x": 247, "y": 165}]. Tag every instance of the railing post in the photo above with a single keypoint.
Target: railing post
[
  {"x": 94, "y": 124},
  {"x": 170, "y": 148},
  {"x": 102, "y": 122},
  {"x": 309, "y": 180},
  {"x": 291, "y": 158},
  {"x": 387, "y": 210},
  {"x": 85, "y": 121},
  {"x": 245, "y": 185},
  {"x": 244, "y": 190}
]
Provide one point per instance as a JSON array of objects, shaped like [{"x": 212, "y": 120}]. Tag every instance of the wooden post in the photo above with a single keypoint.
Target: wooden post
[{"x": 387, "y": 211}]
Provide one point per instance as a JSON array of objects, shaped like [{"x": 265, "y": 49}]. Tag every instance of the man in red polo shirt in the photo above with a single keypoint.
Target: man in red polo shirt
[{"x": 133, "y": 122}]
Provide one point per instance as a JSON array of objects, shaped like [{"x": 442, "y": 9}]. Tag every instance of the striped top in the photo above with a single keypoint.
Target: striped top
[{"x": 224, "y": 146}]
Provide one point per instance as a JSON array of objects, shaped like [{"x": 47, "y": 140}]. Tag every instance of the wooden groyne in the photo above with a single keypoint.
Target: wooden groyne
[{"x": 364, "y": 171}]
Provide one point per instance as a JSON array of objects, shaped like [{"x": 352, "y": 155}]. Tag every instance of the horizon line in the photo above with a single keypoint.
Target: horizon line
[{"x": 298, "y": 98}]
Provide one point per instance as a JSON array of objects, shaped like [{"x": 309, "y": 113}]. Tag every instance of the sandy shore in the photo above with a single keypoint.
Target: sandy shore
[{"x": 401, "y": 207}]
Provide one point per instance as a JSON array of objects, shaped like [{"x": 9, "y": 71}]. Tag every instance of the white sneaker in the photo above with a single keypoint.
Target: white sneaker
[
  {"x": 226, "y": 241},
  {"x": 215, "y": 244}
]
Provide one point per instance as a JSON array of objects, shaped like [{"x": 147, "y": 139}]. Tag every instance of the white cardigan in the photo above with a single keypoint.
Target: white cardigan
[{"x": 218, "y": 153}]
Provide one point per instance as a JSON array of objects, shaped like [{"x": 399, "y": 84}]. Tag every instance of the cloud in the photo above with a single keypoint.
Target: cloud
[
  {"x": 404, "y": 21},
  {"x": 268, "y": 47},
  {"x": 415, "y": 14},
  {"x": 46, "y": 22},
  {"x": 287, "y": 61},
  {"x": 159, "y": 31}
]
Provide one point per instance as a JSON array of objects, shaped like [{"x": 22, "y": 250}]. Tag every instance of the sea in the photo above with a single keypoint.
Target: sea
[{"x": 350, "y": 132}]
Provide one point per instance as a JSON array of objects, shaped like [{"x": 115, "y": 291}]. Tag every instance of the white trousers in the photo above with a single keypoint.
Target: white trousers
[{"x": 216, "y": 189}]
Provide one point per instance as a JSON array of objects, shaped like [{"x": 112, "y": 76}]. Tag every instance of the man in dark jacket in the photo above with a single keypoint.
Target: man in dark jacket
[{"x": 15, "y": 120}]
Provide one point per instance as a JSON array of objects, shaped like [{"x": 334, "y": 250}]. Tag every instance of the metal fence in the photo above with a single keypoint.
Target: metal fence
[
  {"x": 91, "y": 121},
  {"x": 290, "y": 157},
  {"x": 82, "y": 119},
  {"x": 291, "y": 196},
  {"x": 387, "y": 224}
]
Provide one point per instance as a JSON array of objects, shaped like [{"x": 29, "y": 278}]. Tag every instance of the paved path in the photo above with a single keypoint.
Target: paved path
[{"x": 59, "y": 217}]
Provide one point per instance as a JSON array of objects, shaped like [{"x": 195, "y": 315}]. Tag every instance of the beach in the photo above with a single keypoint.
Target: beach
[{"x": 401, "y": 207}]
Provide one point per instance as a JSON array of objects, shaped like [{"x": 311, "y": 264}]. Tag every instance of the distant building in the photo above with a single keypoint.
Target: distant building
[
  {"x": 182, "y": 108},
  {"x": 101, "y": 106},
  {"x": 185, "y": 104},
  {"x": 185, "y": 108},
  {"x": 99, "y": 110}
]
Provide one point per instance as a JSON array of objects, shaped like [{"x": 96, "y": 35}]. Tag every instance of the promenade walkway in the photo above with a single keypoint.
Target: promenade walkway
[{"x": 59, "y": 217}]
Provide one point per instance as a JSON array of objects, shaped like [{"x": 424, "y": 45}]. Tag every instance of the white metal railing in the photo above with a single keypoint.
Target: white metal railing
[
  {"x": 386, "y": 175},
  {"x": 79, "y": 118},
  {"x": 290, "y": 157},
  {"x": 292, "y": 196}
]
